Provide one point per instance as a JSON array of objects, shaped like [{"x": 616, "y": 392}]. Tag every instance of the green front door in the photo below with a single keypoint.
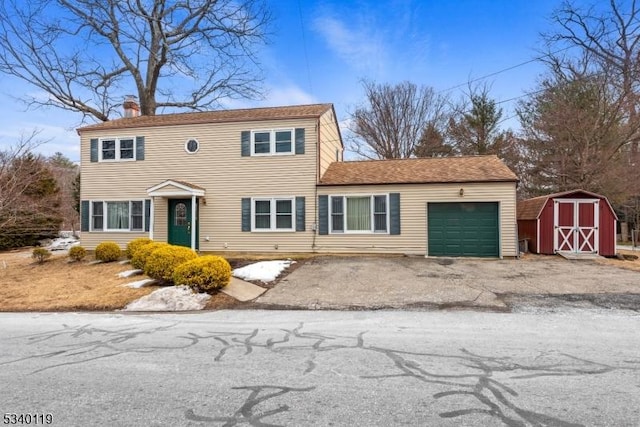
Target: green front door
[
  {"x": 180, "y": 227},
  {"x": 463, "y": 229}
]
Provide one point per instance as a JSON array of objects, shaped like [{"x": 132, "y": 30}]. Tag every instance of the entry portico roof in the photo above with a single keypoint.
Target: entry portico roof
[{"x": 175, "y": 188}]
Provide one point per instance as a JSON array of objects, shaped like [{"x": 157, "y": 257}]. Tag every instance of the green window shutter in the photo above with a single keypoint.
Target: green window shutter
[
  {"x": 94, "y": 149},
  {"x": 147, "y": 214},
  {"x": 323, "y": 215},
  {"x": 84, "y": 215},
  {"x": 139, "y": 147},
  {"x": 299, "y": 140},
  {"x": 300, "y": 226},
  {"x": 394, "y": 213},
  {"x": 245, "y": 143},
  {"x": 246, "y": 214}
]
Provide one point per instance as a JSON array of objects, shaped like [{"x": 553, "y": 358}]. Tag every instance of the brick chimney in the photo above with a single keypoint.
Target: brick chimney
[{"x": 131, "y": 107}]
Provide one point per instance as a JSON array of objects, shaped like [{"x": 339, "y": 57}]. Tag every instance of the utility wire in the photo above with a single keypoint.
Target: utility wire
[{"x": 304, "y": 46}]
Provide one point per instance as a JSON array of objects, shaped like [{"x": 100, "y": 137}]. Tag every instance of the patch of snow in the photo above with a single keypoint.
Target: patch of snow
[
  {"x": 129, "y": 273},
  {"x": 264, "y": 271},
  {"x": 140, "y": 283},
  {"x": 94, "y": 262},
  {"x": 173, "y": 298},
  {"x": 62, "y": 243},
  {"x": 124, "y": 262}
]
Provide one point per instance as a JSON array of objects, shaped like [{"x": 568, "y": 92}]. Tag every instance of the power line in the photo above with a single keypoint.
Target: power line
[
  {"x": 304, "y": 46},
  {"x": 512, "y": 67}
]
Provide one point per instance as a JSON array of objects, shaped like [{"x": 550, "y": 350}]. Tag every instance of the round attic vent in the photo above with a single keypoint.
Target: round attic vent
[{"x": 191, "y": 146}]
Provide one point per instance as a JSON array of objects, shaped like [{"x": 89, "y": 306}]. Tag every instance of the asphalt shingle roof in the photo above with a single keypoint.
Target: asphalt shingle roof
[
  {"x": 219, "y": 116},
  {"x": 418, "y": 171},
  {"x": 530, "y": 208}
]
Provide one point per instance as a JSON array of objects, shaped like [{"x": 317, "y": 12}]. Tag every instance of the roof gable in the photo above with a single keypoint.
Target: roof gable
[
  {"x": 419, "y": 171},
  {"x": 530, "y": 209},
  {"x": 174, "y": 187},
  {"x": 219, "y": 116}
]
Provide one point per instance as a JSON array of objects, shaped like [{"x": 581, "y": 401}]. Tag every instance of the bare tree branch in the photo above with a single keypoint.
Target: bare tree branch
[
  {"x": 85, "y": 55},
  {"x": 394, "y": 119}
]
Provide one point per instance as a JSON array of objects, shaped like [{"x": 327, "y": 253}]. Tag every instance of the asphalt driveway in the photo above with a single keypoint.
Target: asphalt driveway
[{"x": 334, "y": 282}]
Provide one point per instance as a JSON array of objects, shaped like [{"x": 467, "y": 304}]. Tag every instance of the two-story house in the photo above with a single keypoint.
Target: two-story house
[{"x": 273, "y": 179}]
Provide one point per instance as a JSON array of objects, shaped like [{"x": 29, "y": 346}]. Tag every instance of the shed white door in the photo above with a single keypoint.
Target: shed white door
[{"x": 576, "y": 225}]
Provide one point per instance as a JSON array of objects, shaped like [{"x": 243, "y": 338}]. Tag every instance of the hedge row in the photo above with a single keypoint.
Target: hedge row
[{"x": 178, "y": 264}]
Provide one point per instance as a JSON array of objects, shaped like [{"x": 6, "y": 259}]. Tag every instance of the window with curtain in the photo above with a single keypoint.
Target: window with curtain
[
  {"x": 117, "y": 216},
  {"x": 359, "y": 214}
]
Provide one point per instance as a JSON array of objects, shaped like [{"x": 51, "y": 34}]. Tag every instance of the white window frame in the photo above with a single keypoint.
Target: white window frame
[
  {"x": 273, "y": 214},
  {"x": 272, "y": 142},
  {"x": 371, "y": 213},
  {"x": 105, "y": 215},
  {"x": 118, "y": 149}
]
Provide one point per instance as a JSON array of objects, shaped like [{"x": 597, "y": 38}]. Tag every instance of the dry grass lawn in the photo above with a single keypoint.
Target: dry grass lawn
[
  {"x": 629, "y": 263},
  {"x": 58, "y": 285}
]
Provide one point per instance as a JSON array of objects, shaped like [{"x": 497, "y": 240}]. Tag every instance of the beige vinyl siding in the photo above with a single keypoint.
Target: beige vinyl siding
[
  {"x": 219, "y": 168},
  {"x": 329, "y": 141},
  {"x": 413, "y": 216}
]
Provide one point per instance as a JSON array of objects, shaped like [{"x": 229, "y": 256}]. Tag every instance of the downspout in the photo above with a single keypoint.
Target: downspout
[
  {"x": 151, "y": 217},
  {"x": 193, "y": 222},
  {"x": 315, "y": 188}
]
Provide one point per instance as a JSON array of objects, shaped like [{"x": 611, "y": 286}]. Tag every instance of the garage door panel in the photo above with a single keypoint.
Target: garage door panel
[{"x": 463, "y": 229}]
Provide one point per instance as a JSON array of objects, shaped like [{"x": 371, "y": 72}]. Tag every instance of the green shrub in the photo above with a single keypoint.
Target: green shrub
[
  {"x": 40, "y": 255},
  {"x": 163, "y": 261},
  {"x": 203, "y": 274},
  {"x": 139, "y": 257},
  {"x": 77, "y": 253},
  {"x": 108, "y": 251},
  {"x": 136, "y": 244}
]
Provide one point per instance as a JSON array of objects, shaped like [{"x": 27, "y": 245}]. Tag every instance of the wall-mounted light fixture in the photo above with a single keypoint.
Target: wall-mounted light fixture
[{"x": 461, "y": 192}]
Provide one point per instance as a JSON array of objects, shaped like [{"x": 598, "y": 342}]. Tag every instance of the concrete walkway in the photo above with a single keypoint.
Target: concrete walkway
[{"x": 241, "y": 290}]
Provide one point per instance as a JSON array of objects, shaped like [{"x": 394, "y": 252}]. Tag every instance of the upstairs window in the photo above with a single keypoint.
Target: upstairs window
[
  {"x": 272, "y": 142},
  {"x": 117, "y": 149}
]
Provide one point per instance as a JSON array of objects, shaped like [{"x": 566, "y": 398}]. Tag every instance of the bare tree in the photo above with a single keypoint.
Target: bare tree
[
  {"x": 29, "y": 195},
  {"x": 604, "y": 40},
  {"x": 66, "y": 174},
  {"x": 86, "y": 54},
  {"x": 601, "y": 41},
  {"x": 14, "y": 179},
  {"x": 574, "y": 128},
  {"x": 394, "y": 119}
]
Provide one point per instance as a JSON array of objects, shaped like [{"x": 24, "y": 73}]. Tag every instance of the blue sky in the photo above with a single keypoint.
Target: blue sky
[{"x": 320, "y": 50}]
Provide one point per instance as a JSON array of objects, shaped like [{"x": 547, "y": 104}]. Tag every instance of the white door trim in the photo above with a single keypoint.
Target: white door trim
[{"x": 568, "y": 236}]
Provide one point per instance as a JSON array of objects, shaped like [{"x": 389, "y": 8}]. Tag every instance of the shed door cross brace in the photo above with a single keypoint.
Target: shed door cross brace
[{"x": 576, "y": 237}]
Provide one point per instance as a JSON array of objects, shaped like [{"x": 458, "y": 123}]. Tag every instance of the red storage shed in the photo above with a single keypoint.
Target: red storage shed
[{"x": 574, "y": 221}]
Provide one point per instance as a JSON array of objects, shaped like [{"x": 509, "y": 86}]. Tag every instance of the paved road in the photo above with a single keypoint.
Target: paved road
[{"x": 580, "y": 367}]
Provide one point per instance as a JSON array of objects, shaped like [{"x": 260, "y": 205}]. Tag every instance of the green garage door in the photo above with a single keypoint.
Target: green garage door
[{"x": 463, "y": 229}]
